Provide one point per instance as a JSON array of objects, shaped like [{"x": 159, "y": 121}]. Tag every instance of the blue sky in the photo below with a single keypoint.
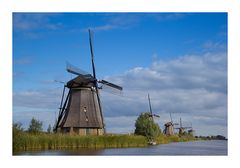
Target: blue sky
[{"x": 179, "y": 58}]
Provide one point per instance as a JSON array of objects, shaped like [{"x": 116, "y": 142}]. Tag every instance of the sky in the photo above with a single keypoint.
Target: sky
[{"x": 180, "y": 59}]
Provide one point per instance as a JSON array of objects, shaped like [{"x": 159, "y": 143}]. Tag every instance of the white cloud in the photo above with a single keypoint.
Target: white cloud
[
  {"x": 32, "y": 21},
  {"x": 41, "y": 104},
  {"x": 169, "y": 16},
  {"x": 105, "y": 27},
  {"x": 128, "y": 20},
  {"x": 191, "y": 87},
  {"x": 212, "y": 46},
  {"x": 120, "y": 124},
  {"x": 42, "y": 99},
  {"x": 24, "y": 116},
  {"x": 27, "y": 25}
]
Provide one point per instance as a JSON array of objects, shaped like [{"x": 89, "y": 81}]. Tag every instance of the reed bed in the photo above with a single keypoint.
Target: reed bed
[
  {"x": 163, "y": 139},
  {"x": 25, "y": 141}
]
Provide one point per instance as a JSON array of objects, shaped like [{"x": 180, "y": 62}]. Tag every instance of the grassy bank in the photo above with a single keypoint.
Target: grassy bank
[
  {"x": 26, "y": 141},
  {"x": 162, "y": 139},
  {"x": 23, "y": 141}
]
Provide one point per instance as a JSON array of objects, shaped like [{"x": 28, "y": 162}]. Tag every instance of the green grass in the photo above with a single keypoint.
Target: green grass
[
  {"x": 25, "y": 141},
  {"x": 163, "y": 139}
]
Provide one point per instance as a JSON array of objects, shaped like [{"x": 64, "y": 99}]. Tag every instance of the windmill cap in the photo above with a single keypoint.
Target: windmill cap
[{"x": 82, "y": 80}]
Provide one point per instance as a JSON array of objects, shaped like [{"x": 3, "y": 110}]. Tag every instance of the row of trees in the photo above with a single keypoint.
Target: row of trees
[
  {"x": 35, "y": 127},
  {"x": 144, "y": 126}
]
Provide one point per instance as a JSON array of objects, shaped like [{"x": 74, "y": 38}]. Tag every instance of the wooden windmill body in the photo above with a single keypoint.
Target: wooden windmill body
[
  {"x": 81, "y": 112},
  {"x": 169, "y": 127}
]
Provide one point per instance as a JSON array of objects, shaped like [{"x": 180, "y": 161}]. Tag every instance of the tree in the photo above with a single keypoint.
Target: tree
[
  {"x": 35, "y": 126},
  {"x": 17, "y": 128},
  {"x": 145, "y": 126},
  {"x": 49, "y": 130}
]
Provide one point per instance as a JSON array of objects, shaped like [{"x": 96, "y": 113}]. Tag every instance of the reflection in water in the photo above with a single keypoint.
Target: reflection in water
[{"x": 214, "y": 147}]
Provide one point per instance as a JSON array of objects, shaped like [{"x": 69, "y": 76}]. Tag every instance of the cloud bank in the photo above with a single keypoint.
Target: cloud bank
[{"x": 193, "y": 87}]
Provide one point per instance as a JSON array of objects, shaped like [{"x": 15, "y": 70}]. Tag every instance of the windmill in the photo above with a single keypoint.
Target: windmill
[
  {"x": 191, "y": 131},
  {"x": 181, "y": 129},
  {"x": 81, "y": 113},
  {"x": 150, "y": 109},
  {"x": 151, "y": 116},
  {"x": 169, "y": 127}
]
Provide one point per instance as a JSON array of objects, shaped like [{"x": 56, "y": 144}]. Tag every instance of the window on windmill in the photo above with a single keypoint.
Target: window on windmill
[
  {"x": 85, "y": 109},
  {"x": 86, "y": 119}
]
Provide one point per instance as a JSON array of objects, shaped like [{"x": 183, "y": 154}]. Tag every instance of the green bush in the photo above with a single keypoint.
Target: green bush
[
  {"x": 145, "y": 126},
  {"x": 35, "y": 126}
]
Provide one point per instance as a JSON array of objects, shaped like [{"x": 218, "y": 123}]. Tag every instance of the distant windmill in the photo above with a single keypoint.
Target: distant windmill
[
  {"x": 150, "y": 109},
  {"x": 191, "y": 131},
  {"x": 181, "y": 129},
  {"x": 169, "y": 127},
  {"x": 81, "y": 113}
]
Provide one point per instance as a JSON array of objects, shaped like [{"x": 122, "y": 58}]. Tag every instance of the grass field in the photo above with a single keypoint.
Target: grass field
[
  {"x": 26, "y": 141},
  {"x": 23, "y": 141}
]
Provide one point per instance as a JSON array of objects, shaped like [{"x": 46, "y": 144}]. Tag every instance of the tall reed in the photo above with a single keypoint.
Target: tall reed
[
  {"x": 26, "y": 141},
  {"x": 23, "y": 141}
]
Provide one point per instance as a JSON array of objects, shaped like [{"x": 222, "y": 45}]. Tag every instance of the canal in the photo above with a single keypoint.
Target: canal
[{"x": 212, "y": 147}]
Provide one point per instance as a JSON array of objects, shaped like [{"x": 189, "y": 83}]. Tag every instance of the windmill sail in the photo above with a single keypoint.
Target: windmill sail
[
  {"x": 92, "y": 54},
  {"x": 150, "y": 107},
  {"x": 111, "y": 85},
  {"x": 95, "y": 82},
  {"x": 155, "y": 115},
  {"x": 75, "y": 70}
]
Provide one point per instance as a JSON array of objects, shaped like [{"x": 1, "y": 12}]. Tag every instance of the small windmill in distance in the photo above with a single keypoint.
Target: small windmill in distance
[
  {"x": 169, "y": 127},
  {"x": 181, "y": 129},
  {"x": 150, "y": 109},
  {"x": 191, "y": 131}
]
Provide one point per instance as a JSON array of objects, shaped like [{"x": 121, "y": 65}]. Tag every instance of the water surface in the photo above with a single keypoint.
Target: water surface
[{"x": 213, "y": 147}]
